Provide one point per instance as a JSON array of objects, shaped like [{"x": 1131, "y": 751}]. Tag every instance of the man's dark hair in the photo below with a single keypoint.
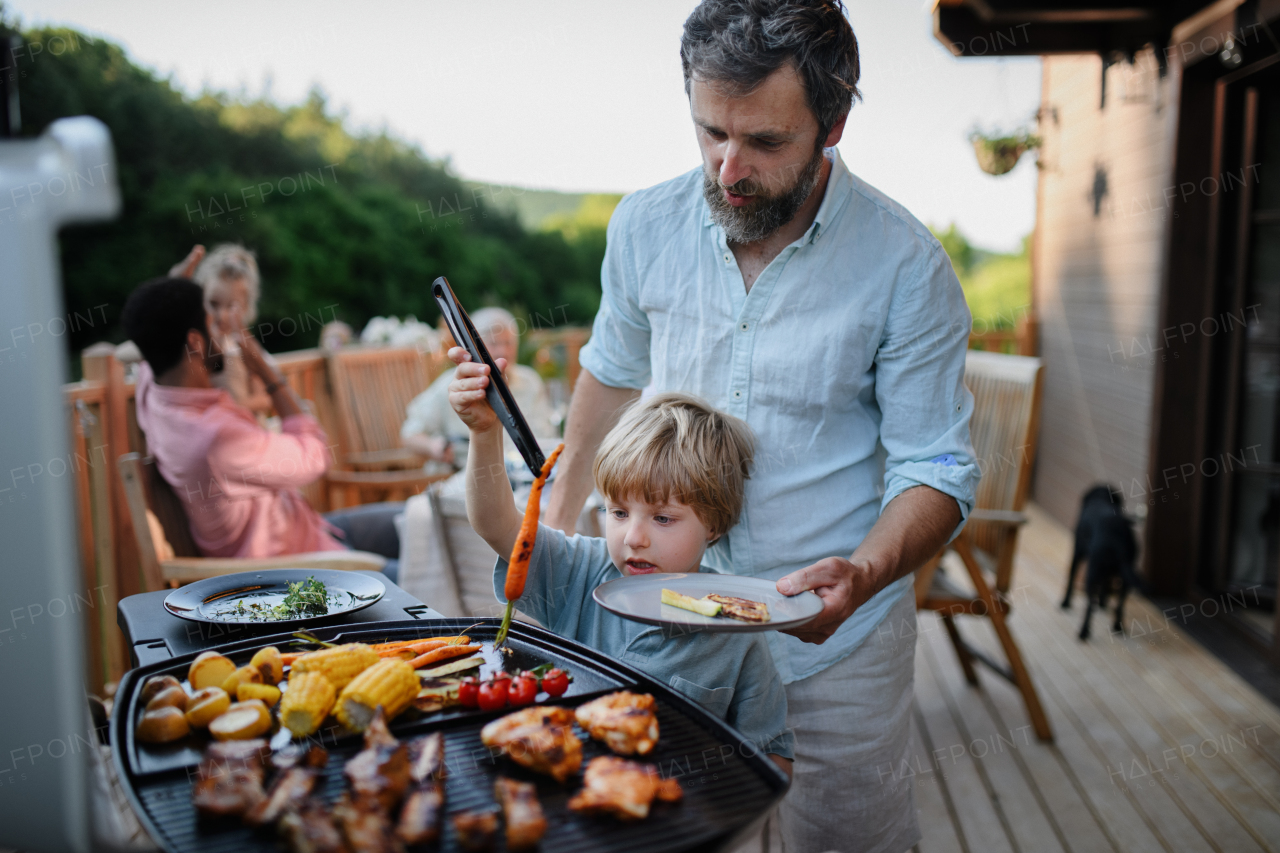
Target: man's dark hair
[
  {"x": 157, "y": 317},
  {"x": 741, "y": 42}
]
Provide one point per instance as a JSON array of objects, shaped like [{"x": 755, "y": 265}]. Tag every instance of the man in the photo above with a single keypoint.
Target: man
[
  {"x": 237, "y": 481},
  {"x": 432, "y": 429},
  {"x": 780, "y": 287}
]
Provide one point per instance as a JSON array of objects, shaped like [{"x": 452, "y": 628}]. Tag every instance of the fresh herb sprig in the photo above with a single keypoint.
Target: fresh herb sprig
[{"x": 305, "y": 598}]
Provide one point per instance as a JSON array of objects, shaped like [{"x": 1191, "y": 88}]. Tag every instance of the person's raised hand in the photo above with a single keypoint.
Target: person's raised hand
[
  {"x": 255, "y": 357},
  {"x": 467, "y": 391},
  {"x": 843, "y": 586},
  {"x": 186, "y": 267}
]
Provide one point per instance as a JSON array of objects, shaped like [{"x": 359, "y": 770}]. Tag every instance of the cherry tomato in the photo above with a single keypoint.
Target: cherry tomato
[
  {"x": 555, "y": 682},
  {"x": 493, "y": 694},
  {"x": 523, "y": 691},
  {"x": 469, "y": 692}
]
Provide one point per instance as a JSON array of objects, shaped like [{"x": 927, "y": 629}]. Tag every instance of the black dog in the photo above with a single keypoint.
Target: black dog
[{"x": 1105, "y": 538}]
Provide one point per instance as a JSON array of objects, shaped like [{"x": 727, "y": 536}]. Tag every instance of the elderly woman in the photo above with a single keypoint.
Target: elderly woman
[{"x": 433, "y": 429}]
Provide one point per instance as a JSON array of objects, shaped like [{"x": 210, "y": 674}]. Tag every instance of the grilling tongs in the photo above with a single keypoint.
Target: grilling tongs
[{"x": 497, "y": 393}]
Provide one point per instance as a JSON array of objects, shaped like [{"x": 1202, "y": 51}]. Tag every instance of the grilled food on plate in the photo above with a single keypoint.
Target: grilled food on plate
[
  {"x": 625, "y": 721},
  {"x": 522, "y": 813},
  {"x": 742, "y": 609},
  {"x": 624, "y": 789},
  {"x": 229, "y": 778},
  {"x": 476, "y": 830},
  {"x": 540, "y": 738},
  {"x": 423, "y": 808},
  {"x": 310, "y": 829},
  {"x": 380, "y": 771}
]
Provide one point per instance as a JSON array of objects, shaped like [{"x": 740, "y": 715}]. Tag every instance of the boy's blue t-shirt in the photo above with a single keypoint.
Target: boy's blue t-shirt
[{"x": 731, "y": 675}]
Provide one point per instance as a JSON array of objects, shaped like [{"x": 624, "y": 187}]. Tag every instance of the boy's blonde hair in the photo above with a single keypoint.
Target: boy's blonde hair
[{"x": 676, "y": 447}]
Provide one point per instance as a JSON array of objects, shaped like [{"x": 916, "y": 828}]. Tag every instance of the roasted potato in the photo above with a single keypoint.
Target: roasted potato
[
  {"x": 154, "y": 685},
  {"x": 268, "y": 693},
  {"x": 169, "y": 697},
  {"x": 205, "y": 706},
  {"x": 269, "y": 662},
  {"x": 243, "y": 675},
  {"x": 164, "y": 724},
  {"x": 242, "y": 721},
  {"x": 209, "y": 670}
]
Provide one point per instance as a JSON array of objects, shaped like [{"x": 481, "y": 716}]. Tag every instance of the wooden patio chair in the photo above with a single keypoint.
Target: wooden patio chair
[
  {"x": 168, "y": 553},
  {"x": 372, "y": 388},
  {"x": 1004, "y": 429}
]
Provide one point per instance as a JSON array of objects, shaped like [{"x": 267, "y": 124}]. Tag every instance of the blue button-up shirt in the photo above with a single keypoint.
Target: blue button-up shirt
[{"x": 846, "y": 358}]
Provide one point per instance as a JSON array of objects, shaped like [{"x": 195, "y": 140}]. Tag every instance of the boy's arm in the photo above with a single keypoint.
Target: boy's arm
[
  {"x": 784, "y": 764},
  {"x": 491, "y": 507}
]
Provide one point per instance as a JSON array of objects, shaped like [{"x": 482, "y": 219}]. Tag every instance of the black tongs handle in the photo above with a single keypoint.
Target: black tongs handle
[{"x": 498, "y": 394}]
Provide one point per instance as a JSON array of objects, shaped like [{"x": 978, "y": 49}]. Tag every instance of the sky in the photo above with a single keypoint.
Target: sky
[{"x": 580, "y": 95}]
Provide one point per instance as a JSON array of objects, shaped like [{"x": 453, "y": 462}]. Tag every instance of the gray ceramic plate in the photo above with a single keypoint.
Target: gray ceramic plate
[{"x": 639, "y": 599}]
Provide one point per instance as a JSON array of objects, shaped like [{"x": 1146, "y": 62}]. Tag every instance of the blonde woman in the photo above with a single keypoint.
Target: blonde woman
[{"x": 229, "y": 277}]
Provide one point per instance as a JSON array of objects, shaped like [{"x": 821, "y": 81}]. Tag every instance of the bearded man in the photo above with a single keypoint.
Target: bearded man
[{"x": 786, "y": 291}]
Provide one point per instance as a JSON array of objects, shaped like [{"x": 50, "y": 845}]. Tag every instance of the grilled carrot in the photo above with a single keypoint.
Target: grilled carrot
[
  {"x": 377, "y": 647},
  {"x": 288, "y": 658},
  {"x": 442, "y": 653},
  {"x": 518, "y": 565}
]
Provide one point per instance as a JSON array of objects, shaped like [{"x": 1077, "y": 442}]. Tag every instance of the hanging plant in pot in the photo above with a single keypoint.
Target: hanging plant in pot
[{"x": 999, "y": 154}]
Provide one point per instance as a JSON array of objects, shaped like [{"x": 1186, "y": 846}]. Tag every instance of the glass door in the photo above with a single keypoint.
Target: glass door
[{"x": 1250, "y": 457}]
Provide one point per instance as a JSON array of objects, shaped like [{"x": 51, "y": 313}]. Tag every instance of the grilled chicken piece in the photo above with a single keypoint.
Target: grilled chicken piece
[
  {"x": 229, "y": 778},
  {"x": 522, "y": 813},
  {"x": 476, "y": 830},
  {"x": 622, "y": 788},
  {"x": 290, "y": 789},
  {"x": 420, "y": 817},
  {"x": 539, "y": 737},
  {"x": 365, "y": 826},
  {"x": 310, "y": 829},
  {"x": 381, "y": 769},
  {"x": 426, "y": 757},
  {"x": 625, "y": 721},
  {"x": 742, "y": 609}
]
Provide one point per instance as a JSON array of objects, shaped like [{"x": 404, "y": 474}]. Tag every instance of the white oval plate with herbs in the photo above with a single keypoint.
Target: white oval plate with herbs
[
  {"x": 640, "y": 599},
  {"x": 284, "y": 597}
]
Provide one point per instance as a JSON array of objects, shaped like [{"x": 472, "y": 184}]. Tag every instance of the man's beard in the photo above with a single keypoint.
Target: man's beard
[{"x": 766, "y": 213}]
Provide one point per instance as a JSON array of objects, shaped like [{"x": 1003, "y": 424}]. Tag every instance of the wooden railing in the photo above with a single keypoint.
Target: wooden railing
[{"x": 1023, "y": 339}]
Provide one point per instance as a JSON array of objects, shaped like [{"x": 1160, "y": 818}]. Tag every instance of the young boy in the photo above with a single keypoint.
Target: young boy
[{"x": 672, "y": 472}]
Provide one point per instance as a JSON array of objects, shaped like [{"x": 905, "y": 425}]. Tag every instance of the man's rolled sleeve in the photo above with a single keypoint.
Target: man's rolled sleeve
[
  {"x": 920, "y": 387},
  {"x": 618, "y": 352}
]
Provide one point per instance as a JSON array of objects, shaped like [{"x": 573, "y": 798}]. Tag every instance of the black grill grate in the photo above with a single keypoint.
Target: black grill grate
[{"x": 726, "y": 786}]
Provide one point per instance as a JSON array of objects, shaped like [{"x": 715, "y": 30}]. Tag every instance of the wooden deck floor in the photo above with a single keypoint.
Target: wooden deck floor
[{"x": 1158, "y": 746}]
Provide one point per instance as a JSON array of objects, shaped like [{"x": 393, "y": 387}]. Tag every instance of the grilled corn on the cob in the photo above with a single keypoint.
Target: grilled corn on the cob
[
  {"x": 390, "y": 683},
  {"x": 339, "y": 665},
  {"x": 306, "y": 703}
]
